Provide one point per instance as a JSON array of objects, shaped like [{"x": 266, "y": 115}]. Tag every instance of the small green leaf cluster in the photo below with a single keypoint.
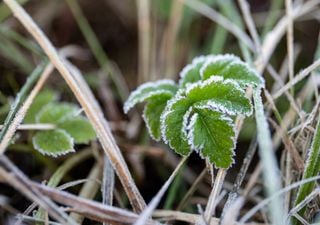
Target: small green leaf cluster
[
  {"x": 198, "y": 113},
  {"x": 70, "y": 127}
]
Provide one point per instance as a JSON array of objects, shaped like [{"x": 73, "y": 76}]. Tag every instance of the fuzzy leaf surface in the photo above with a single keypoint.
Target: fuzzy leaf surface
[
  {"x": 173, "y": 123},
  {"x": 149, "y": 90},
  {"x": 224, "y": 95},
  {"x": 53, "y": 142},
  {"x": 79, "y": 128},
  {"x": 42, "y": 99},
  {"x": 212, "y": 134},
  {"x": 216, "y": 94},
  {"x": 191, "y": 73},
  {"x": 152, "y": 113},
  {"x": 56, "y": 112},
  {"x": 231, "y": 67}
]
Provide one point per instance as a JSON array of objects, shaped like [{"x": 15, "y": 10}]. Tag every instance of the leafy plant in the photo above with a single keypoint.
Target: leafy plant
[
  {"x": 70, "y": 128},
  {"x": 198, "y": 113}
]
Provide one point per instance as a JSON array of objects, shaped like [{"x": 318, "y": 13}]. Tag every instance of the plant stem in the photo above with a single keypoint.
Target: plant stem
[{"x": 214, "y": 194}]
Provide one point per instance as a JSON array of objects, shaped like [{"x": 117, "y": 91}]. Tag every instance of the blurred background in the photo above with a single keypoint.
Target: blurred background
[{"x": 118, "y": 45}]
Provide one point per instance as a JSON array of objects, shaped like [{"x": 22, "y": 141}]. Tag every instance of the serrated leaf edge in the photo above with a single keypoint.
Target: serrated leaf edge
[
  {"x": 235, "y": 59},
  {"x": 198, "y": 149},
  {"x": 165, "y": 114},
  {"x": 202, "y": 84},
  {"x": 191, "y": 66},
  {"x": 130, "y": 104},
  {"x": 42, "y": 151}
]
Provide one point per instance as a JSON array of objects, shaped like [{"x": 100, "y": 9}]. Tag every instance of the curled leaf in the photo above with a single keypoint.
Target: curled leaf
[{"x": 149, "y": 90}]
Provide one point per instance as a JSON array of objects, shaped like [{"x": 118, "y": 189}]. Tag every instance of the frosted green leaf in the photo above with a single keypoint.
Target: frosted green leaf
[
  {"x": 231, "y": 67},
  {"x": 224, "y": 95},
  {"x": 173, "y": 121},
  {"x": 53, "y": 142},
  {"x": 151, "y": 115},
  {"x": 56, "y": 112},
  {"x": 149, "y": 90},
  {"x": 191, "y": 73},
  {"x": 79, "y": 128},
  {"x": 42, "y": 99},
  {"x": 212, "y": 135}
]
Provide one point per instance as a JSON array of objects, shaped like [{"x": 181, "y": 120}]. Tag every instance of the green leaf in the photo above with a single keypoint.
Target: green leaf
[
  {"x": 191, "y": 73},
  {"x": 53, "y": 142},
  {"x": 212, "y": 135},
  {"x": 42, "y": 99},
  {"x": 149, "y": 90},
  {"x": 174, "y": 123},
  {"x": 79, "y": 128},
  {"x": 152, "y": 113},
  {"x": 56, "y": 112},
  {"x": 215, "y": 94},
  {"x": 231, "y": 67},
  {"x": 224, "y": 95}
]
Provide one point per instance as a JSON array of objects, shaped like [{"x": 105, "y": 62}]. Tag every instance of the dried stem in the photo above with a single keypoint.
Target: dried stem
[
  {"x": 214, "y": 194},
  {"x": 89, "y": 104}
]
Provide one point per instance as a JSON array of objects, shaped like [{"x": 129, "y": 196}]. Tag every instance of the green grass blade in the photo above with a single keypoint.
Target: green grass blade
[
  {"x": 21, "y": 96},
  {"x": 271, "y": 176},
  {"x": 11, "y": 51},
  {"x": 312, "y": 169}
]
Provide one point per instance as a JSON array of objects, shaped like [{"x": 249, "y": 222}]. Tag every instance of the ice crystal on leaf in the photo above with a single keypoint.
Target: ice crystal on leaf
[{"x": 198, "y": 115}]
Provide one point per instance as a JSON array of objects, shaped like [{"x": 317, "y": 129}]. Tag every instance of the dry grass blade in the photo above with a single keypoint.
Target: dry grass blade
[
  {"x": 274, "y": 36},
  {"x": 219, "y": 19},
  {"x": 88, "y": 102},
  {"x": 20, "y": 182},
  {"x": 301, "y": 75},
  {"x": 267, "y": 201},
  {"x": 144, "y": 26},
  {"x": 156, "y": 199},
  {"x": 233, "y": 212},
  {"x": 23, "y": 109}
]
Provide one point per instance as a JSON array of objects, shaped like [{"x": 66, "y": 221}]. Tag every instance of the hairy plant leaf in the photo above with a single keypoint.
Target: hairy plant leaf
[
  {"x": 231, "y": 67},
  {"x": 56, "y": 112},
  {"x": 212, "y": 134},
  {"x": 191, "y": 73},
  {"x": 224, "y": 95},
  {"x": 152, "y": 113},
  {"x": 149, "y": 90},
  {"x": 42, "y": 99},
  {"x": 79, "y": 128},
  {"x": 173, "y": 123},
  {"x": 216, "y": 94},
  {"x": 53, "y": 142}
]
